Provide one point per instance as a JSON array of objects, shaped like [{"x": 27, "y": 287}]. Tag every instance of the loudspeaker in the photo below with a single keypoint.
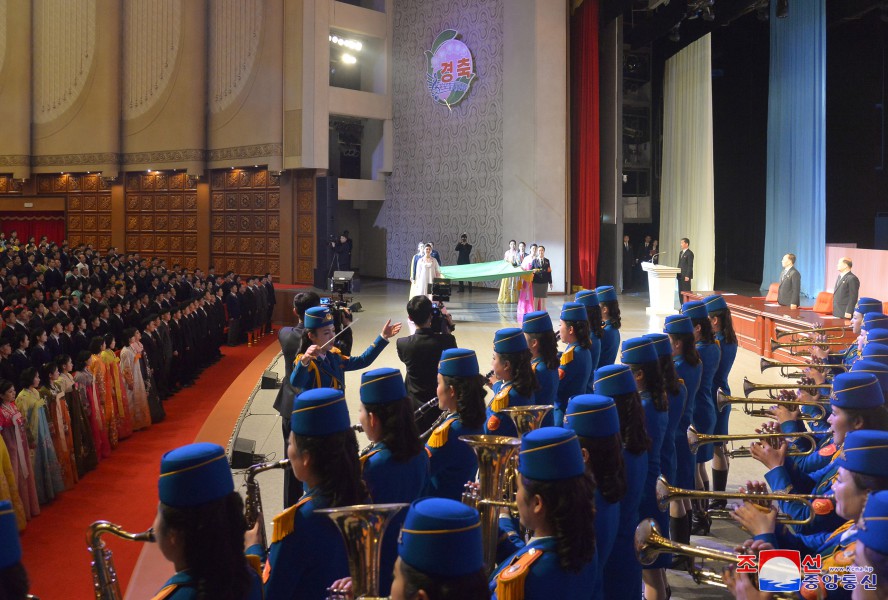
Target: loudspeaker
[
  {"x": 325, "y": 204},
  {"x": 356, "y": 307},
  {"x": 269, "y": 381},
  {"x": 244, "y": 455}
]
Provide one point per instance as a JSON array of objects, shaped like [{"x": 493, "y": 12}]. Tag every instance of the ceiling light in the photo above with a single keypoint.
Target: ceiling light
[{"x": 348, "y": 58}]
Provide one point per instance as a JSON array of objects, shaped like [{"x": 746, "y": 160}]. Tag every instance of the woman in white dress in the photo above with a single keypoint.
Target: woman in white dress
[
  {"x": 508, "y": 290},
  {"x": 426, "y": 271},
  {"x": 133, "y": 382}
]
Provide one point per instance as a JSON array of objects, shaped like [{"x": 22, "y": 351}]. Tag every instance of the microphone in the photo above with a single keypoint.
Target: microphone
[{"x": 658, "y": 254}]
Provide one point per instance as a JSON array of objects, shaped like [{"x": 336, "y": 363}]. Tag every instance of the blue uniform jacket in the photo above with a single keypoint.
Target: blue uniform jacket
[
  {"x": 574, "y": 373},
  {"x": 685, "y": 461},
  {"x": 545, "y": 579},
  {"x": 307, "y": 552},
  {"x": 728, "y": 354},
  {"x": 622, "y": 559},
  {"x": 452, "y": 462},
  {"x": 656, "y": 422},
  {"x": 329, "y": 371},
  {"x": 607, "y": 519},
  {"x": 817, "y": 459},
  {"x": 548, "y": 380},
  {"x": 610, "y": 345},
  {"x": 787, "y": 478},
  {"x": 182, "y": 587},
  {"x": 704, "y": 404},
  {"x": 667, "y": 452},
  {"x": 595, "y": 359},
  {"x": 505, "y": 395}
]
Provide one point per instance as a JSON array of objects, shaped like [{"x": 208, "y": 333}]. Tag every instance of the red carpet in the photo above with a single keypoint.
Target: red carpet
[{"x": 123, "y": 489}]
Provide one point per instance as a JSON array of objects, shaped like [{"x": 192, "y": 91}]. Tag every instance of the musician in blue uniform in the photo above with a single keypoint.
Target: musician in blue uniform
[
  {"x": 723, "y": 331},
  {"x": 461, "y": 394},
  {"x": 677, "y": 394},
  {"x": 689, "y": 368},
  {"x": 307, "y": 552},
  {"x": 871, "y": 550},
  {"x": 537, "y": 328},
  {"x": 595, "y": 420},
  {"x": 13, "y": 577},
  {"x": 589, "y": 299},
  {"x": 610, "y": 314},
  {"x": 704, "y": 404},
  {"x": 865, "y": 365},
  {"x": 618, "y": 382},
  {"x": 556, "y": 500},
  {"x": 857, "y": 403},
  {"x": 575, "y": 367},
  {"x": 200, "y": 527},
  {"x": 876, "y": 351},
  {"x": 515, "y": 382},
  {"x": 322, "y": 365},
  {"x": 862, "y": 469},
  {"x": 395, "y": 466},
  {"x": 852, "y": 353}
]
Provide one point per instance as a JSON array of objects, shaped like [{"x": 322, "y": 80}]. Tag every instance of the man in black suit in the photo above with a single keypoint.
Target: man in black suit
[
  {"x": 421, "y": 352},
  {"x": 464, "y": 251},
  {"x": 628, "y": 263},
  {"x": 790, "y": 283},
  {"x": 846, "y": 290},
  {"x": 686, "y": 264}
]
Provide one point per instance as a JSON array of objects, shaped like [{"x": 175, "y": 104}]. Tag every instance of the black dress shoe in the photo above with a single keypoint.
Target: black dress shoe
[{"x": 700, "y": 523}]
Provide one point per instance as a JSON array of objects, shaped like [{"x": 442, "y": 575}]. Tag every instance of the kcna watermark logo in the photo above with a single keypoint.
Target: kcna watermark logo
[{"x": 786, "y": 571}]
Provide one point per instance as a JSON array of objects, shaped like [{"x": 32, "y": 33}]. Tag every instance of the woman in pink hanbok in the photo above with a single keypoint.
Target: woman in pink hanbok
[
  {"x": 15, "y": 435},
  {"x": 84, "y": 378},
  {"x": 525, "y": 295}
]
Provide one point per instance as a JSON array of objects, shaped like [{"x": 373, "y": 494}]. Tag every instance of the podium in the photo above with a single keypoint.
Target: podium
[{"x": 661, "y": 285}]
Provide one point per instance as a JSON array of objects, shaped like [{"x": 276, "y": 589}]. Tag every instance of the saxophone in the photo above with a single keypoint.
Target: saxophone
[
  {"x": 105, "y": 583},
  {"x": 253, "y": 502}
]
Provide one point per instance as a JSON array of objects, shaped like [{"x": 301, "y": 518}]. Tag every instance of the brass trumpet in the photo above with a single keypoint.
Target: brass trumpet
[
  {"x": 695, "y": 440},
  {"x": 666, "y": 493},
  {"x": 775, "y": 345},
  {"x": 105, "y": 583},
  {"x": 815, "y": 330},
  {"x": 749, "y": 387},
  {"x": 767, "y": 363},
  {"x": 722, "y": 401}
]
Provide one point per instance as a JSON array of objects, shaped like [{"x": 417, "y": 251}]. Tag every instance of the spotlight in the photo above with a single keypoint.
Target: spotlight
[
  {"x": 348, "y": 59},
  {"x": 675, "y": 34},
  {"x": 782, "y": 9}
]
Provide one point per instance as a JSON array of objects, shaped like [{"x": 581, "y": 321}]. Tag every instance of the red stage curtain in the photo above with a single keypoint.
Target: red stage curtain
[
  {"x": 37, "y": 224},
  {"x": 585, "y": 175}
]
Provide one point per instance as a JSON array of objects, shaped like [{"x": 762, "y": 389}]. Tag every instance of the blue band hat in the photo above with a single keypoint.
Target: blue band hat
[
  {"x": 695, "y": 309},
  {"x": 877, "y": 335},
  {"x": 661, "y": 343},
  {"x": 856, "y": 391},
  {"x": 10, "y": 544},
  {"x": 867, "y": 305},
  {"x": 318, "y": 316},
  {"x": 865, "y": 365},
  {"x": 550, "y": 454},
  {"x": 587, "y": 297},
  {"x": 875, "y": 351},
  {"x": 592, "y": 416},
  {"x": 441, "y": 537},
  {"x": 606, "y": 293},
  {"x": 574, "y": 311},
  {"x": 458, "y": 362},
  {"x": 194, "y": 474},
  {"x": 614, "y": 380},
  {"x": 865, "y": 452},
  {"x": 318, "y": 412},
  {"x": 381, "y": 386},
  {"x": 872, "y": 529},
  {"x": 537, "y": 322},
  {"x": 715, "y": 303},
  {"x": 509, "y": 341},
  {"x": 637, "y": 351},
  {"x": 679, "y": 325},
  {"x": 875, "y": 320}
]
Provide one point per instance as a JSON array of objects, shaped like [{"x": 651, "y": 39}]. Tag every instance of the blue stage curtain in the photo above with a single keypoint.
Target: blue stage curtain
[{"x": 796, "y": 196}]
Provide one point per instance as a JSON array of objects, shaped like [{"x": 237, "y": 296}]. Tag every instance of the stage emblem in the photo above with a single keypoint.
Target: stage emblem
[{"x": 450, "y": 70}]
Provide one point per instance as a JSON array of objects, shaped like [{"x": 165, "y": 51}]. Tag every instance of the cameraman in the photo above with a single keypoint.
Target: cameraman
[
  {"x": 343, "y": 250},
  {"x": 421, "y": 352}
]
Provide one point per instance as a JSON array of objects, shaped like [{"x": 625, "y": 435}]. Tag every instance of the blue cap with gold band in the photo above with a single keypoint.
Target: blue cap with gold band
[
  {"x": 661, "y": 343},
  {"x": 381, "y": 386},
  {"x": 875, "y": 320},
  {"x": 639, "y": 350},
  {"x": 194, "y": 474},
  {"x": 592, "y": 416},
  {"x": 678, "y": 325},
  {"x": 10, "y": 544},
  {"x": 872, "y": 529},
  {"x": 606, "y": 293},
  {"x": 549, "y": 454},
  {"x": 587, "y": 297},
  {"x": 509, "y": 341},
  {"x": 867, "y": 305},
  {"x": 715, "y": 303},
  {"x": 877, "y": 335},
  {"x": 865, "y": 365},
  {"x": 574, "y": 311},
  {"x": 318, "y": 412},
  {"x": 537, "y": 322},
  {"x": 875, "y": 351},
  {"x": 695, "y": 309},
  {"x": 458, "y": 362},
  {"x": 317, "y": 316},
  {"x": 441, "y": 537},
  {"x": 865, "y": 452},
  {"x": 614, "y": 380},
  {"x": 856, "y": 390}
]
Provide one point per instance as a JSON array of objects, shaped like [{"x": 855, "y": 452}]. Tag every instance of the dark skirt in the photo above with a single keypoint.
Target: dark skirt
[{"x": 540, "y": 290}]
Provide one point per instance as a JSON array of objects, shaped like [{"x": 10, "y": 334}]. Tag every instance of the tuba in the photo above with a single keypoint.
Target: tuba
[
  {"x": 105, "y": 583},
  {"x": 253, "y": 502},
  {"x": 362, "y": 527},
  {"x": 527, "y": 418}
]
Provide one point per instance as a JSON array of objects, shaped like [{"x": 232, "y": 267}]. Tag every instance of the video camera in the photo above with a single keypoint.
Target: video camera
[
  {"x": 440, "y": 291},
  {"x": 338, "y": 309}
]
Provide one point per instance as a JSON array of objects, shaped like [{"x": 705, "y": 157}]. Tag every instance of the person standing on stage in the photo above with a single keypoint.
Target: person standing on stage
[
  {"x": 846, "y": 290},
  {"x": 542, "y": 278},
  {"x": 790, "y": 283},
  {"x": 686, "y": 264},
  {"x": 628, "y": 263},
  {"x": 464, "y": 251}
]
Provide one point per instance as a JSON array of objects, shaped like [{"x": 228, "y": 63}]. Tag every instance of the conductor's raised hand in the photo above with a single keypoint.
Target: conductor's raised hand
[
  {"x": 389, "y": 330},
  {"x": 312, "y": 353}
]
